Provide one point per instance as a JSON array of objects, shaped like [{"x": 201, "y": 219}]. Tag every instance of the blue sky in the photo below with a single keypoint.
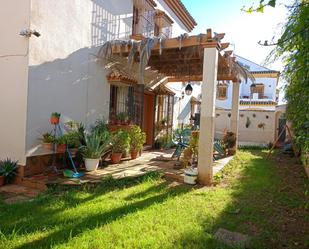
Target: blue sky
[{"x": 242, "y": 30}]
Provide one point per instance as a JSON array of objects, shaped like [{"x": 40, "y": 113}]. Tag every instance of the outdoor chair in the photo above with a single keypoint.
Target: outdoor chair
[{"x": 181, "y": 142}]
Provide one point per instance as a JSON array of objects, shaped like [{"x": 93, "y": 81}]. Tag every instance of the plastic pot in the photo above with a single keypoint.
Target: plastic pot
[{"x": 91, "y": 164}]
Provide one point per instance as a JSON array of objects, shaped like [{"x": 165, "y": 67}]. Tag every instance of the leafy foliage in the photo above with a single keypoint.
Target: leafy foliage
[
  {"x": 137, "y": 138},
  {"x": 96, "y": 145},
  {"x": 120, "y": 141},
  {"x": 293, "y": 47},
  {"x": 48, "y": 138},
  {"x": 8, "y": 169},
  {"x": 229, "y": 139}
]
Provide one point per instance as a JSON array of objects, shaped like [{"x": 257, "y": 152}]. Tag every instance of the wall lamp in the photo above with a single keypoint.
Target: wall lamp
[{"x": 29, "y": 32}]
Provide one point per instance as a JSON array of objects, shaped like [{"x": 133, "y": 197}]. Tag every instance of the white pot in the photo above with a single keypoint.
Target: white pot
[
  {"x": 91, "y": 164},
  {"x": 190, "y": 179},
  {"x": 190, "y": 176}
]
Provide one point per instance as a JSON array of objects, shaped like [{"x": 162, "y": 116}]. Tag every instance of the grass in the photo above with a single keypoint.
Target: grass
[{"x": 265, "y": 199}]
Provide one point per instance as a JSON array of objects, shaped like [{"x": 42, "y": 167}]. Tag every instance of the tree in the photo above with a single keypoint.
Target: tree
[{"x": 293, "y": 48}]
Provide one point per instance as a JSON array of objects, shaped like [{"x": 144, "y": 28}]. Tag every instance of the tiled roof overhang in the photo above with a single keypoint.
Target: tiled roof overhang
[{"x": 182, "y": 13}]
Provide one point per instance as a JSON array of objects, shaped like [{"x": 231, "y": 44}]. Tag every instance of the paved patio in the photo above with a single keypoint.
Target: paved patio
[{"x": 149, "y": 161}]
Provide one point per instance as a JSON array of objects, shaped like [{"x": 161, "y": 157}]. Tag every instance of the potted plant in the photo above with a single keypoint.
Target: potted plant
[
  {"x": 47, "y": 140},
  {"x": 8, "y": 170},
  {"x": 122, "y": 118},
  {"x": 61, "y": 144},
  {"x": 120, "y": 142},
  {"x": 137, "y": 140},
  {"x": 96, "y": 145},
  {"x": 229, "y": 141},
  {"x": 55, "y": 118},
  {"x": 2, "y": 179}
]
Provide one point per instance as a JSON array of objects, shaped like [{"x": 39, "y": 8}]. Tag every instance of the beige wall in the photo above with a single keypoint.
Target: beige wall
[
  {"x": 14, "y": 16},
  {"x": 252, "y": 134},
  {"x": 64, "y": 75}
]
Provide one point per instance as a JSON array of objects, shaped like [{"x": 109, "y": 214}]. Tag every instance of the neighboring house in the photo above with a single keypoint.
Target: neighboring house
[
  {"x": 59, "y": 72},
  {"x": 258, "y": 111}
]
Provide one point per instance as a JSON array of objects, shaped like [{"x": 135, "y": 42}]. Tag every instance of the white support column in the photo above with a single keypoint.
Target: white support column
[
  {"x": 235, "y": 111},
  {"x": 207, "y": 124}
]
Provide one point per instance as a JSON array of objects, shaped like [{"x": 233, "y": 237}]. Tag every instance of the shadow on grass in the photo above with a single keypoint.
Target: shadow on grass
[
  {"x": 73, "y": 226},
  {"x": 262, "y": 206}
]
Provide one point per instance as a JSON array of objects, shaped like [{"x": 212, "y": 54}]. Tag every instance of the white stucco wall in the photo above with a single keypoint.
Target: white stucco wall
[
  {"x": 226, "y": 103},
  {"x": 182, "y": 106},
  {"x": 14, "y": 16},
  {"x": 178, "y": 26},
  {"x": 270, "y": 85},
  {"x": 252, "y": 134},
  {"x": 64, "y": 75}
]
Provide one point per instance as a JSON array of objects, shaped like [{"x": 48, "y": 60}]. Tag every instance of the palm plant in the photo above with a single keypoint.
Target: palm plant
[
  {"x": 97, "y": 144},
  {"x": 8, "y": 169}
]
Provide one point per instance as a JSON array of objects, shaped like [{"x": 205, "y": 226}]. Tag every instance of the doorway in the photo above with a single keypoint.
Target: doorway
[{"x": 148, "y": 120}]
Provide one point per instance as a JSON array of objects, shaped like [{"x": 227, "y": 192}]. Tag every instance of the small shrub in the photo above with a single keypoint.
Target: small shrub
[{"x": 8, "y": 169}]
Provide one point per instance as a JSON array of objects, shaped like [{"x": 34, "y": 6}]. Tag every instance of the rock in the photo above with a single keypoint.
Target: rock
[
  {"x": 15, "y": 199},
  {"x": 232, "y": 239}
]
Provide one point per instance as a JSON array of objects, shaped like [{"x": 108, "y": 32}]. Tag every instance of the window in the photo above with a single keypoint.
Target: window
[
  {"x": 257, "y": 89},
  {"x": 222, "y": 92},
  {"x": 120, "y": 100}
]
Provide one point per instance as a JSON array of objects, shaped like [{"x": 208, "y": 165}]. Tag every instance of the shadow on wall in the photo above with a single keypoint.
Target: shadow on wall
[
  {"x": 184, "y": 115},
  {"x": 74, "y": 86},
  {"x": 111, "y": 19}
]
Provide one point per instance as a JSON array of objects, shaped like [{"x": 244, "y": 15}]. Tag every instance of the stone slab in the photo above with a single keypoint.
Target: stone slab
[{"x": 232, "y": 239}]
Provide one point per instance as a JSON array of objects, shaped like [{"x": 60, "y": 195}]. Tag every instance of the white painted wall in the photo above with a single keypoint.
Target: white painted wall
[
  {"x": 252, "y": 134},
  {"x": 226, "y": 103},
  {"x": 178, "y": 27},
  {"x": 14, "y": 16},
  {"x": 64, "y": 75},
  {"x": 269, "y": 87}
]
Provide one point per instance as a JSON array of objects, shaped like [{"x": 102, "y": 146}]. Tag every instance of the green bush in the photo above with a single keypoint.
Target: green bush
[
  {"x": 97, "y": 144},
  {"x": 120, "y": 141},
  {"x": 137, "y": 138}
]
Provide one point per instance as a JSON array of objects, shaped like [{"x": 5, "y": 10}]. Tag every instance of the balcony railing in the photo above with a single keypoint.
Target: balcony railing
[{"x": 145, "y": 25}]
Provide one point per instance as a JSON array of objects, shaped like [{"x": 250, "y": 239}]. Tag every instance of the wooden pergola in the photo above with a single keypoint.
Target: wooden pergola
[{"x": 186, "y": 58}]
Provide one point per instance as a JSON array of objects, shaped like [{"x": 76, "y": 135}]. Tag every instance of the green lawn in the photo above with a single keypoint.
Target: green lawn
[{"x": 265, "y": 199}]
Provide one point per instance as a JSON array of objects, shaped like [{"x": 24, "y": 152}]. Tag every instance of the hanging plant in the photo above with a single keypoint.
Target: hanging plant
[
  {"x": 261, "y": 125},
  {"x": 248, "y": 122}
]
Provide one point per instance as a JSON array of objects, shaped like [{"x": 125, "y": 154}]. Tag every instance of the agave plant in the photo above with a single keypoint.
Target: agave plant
[
  {"x": 96, "y": 145},
  {"x": 8, "y": 169}
]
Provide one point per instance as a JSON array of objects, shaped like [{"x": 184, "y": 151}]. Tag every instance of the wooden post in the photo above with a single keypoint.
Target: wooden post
[
  {"x": 207, "y": 124},
  {"x": 235, "y": 111}
]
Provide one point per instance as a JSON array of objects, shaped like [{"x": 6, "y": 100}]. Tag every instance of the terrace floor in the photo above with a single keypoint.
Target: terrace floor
[{"x": 149, "y": 161}]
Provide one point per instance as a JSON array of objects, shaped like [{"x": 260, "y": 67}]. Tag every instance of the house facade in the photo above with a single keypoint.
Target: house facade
[
  {"x": 258, "y": 105},
  {"x": 48, "y": 64}
]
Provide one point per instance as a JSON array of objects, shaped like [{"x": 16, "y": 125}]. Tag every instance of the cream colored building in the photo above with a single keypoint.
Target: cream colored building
[
  {"x": 58, "y": 71},
  {"x": 259, "y": 112}
]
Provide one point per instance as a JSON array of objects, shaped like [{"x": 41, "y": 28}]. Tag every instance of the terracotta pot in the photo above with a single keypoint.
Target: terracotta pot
[
  {"x": 47, "y": 146},
  {"x": 54, "y": 120},
  {"x": 2, "y": 180},
  {"x": 134, "y": 154},
  {"x": 231, "y": 152},
  {"x": 61, "y": 148},
  {"x": 116, "y": 157}
]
